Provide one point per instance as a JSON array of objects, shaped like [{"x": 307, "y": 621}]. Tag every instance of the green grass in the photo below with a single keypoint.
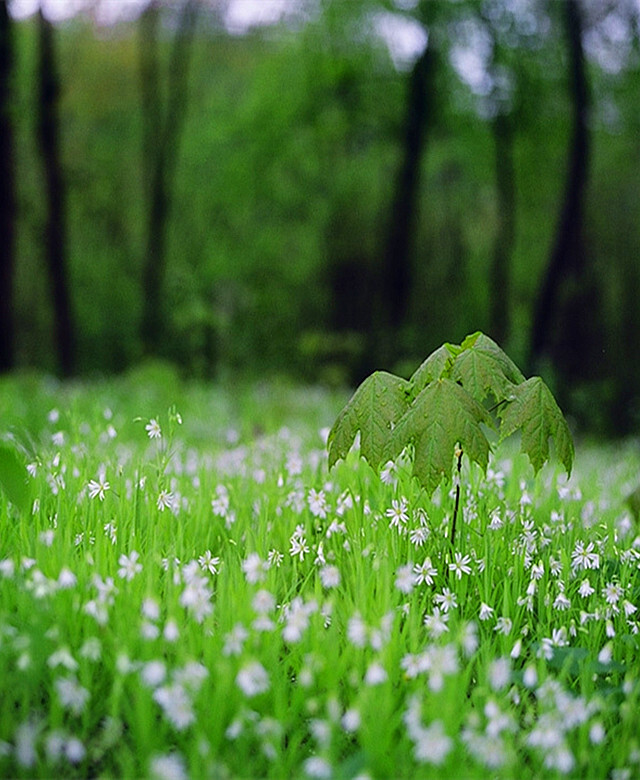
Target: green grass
[{"x": 128, "y": 650}]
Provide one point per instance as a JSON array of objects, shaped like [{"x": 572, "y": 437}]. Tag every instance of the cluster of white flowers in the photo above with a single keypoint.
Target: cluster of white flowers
[
  {"x": 298, "y": 543},
  {"x": 175, "y": 697},
  {"x": 98, "y": 607},
  {"x": 196, "y": 595},
  {"x": 430, "y": 743},
  {"x": 376, "y": 637},
  {"x": 72, "y": 696},
  {"x": 435, "y": 661},
  {"x": 439, "y": 605},
  {"x": 296, "y": 616},
  {"x": 254, "y": 568},
  {"x": 318, "y": 505}
]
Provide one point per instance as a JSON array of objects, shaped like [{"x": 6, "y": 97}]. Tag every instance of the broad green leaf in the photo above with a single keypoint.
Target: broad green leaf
[
  {"x": 442, "y": 416},
  {"x": 433, "y": 367},
  {"x": 374, "y": 409},
  {"x": 533, "y": 410},
  {"x": 14, "y": 478},
  {"x": 483, "y": 368}
]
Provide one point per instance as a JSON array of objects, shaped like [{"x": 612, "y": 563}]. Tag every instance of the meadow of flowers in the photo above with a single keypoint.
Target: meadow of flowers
[{"x": 193, "y": 594}]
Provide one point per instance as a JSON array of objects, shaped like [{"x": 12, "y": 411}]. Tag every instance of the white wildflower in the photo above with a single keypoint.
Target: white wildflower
[
  {"x": 503, "y": 626},
  {"x": 253, "y": 679},
  {"x": 25, "y": 744},
  {"x": 351, "y": 720},
  {"x": 597, "y": 733},
  {"x": 485, "y": 611},
  {"x": 447, "y": 599},
  {"x": 299, "y": 546},
  {"x": 62, "y": 657},
  {"x": 129, "y": 565},
  {"x": 98, "y": 488},
  {"x": 176, "y": 705},
  {"x": 274, "y": 558},
  {"x": 330, "y": 576},
  {"x": 376, "y": 674},
  {"x": 153, "y": 673},
  {"x": 318, "y": 767},
  {"x": 264, "y": 601},
  {"x": 150, "y": 609},
  {"x": 425, "y": 572},
  {"x": 436, "y": 622},
  {"x": 439, "y": 661},
  {"x": 612, "y": 593},
  {"x": 388, "y": 473},
  {"x": 153, "y": 429},
  {"x": 398, "y": 513},
  {"x": 584, "y": 557},
  {"x": 418, "y": 536},
  {"x": 168, "y": 767},
  {"x": 220, "y": 502},
  {"x": 405, "y": 578},
  {"x": 460, "y": 565},
  {"x": 499, "y": 673},
  {"x": 72, "y": 695},
  {"x": 317, "y": 502},
  {"x": 357, "y": 631},
  {"x": 254, "y": 568},
  {"x": 165, "y": 500},
  {"x": 297, "y": 619},
  {"x": 196, "y": 597},
  {"x": 209, "y": 562},
  {"x": 234, "y": 640},
  {"x": 586, "y": 589},
  {"x": 171, "y": 632}
]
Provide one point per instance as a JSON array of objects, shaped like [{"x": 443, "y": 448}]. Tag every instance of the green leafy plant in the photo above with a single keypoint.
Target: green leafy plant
[{"x": 453, "y": 399}]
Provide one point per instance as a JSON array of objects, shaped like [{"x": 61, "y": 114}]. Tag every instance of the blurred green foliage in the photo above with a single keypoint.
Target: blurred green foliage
[{"x": 283, "y": 186}]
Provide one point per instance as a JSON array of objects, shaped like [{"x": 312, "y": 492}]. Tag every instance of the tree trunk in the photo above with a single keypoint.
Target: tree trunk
[
  {"x": 161, "y": 137},
  {"x": 500, "y": 285},
  {"x": 7, "y": 192},
  {"x": 55, "y": 229},
  {"x": 396, "y": 273},
  {"x": 567, "y": 261}
]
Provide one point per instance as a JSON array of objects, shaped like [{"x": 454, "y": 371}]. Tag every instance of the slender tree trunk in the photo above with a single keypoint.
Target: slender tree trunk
[
  {"x": 499, "y": 319},
  {"x": 162, "y": 131},
  {"x": 396, "y": 273},
  {"x": 7, "y": 192},
  {"x": 55, "y": 230},
  {"x": 567, "y": 257}
]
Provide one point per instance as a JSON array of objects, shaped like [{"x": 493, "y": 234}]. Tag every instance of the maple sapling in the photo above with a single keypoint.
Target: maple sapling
[{"x": 442, "y": 409}]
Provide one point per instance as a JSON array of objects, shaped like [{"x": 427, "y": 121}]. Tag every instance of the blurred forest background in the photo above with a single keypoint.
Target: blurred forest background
[{"x": 318, "y": 188}]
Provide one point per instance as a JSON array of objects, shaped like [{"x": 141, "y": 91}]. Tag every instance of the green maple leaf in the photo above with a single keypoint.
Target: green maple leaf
[
  {"x": 374, "y": 409},
  {"x": 482, "y": 367},
  {"x": 434, "y": 367},
  {"x": 532, "y": 409},
  {"x": 442, "y": 415},
  {"x": 442, "y": 406}
]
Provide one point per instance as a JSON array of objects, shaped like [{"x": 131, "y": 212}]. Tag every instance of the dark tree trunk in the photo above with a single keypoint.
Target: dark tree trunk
[
  {"x": 567, "y": 261},
  {"x": 7, "y": 192},
  {"x": 55, "y": 230},
  {"x": 161, "y": 138},
  {"x": 396, "y": 272},
  {"x": 500, "y": 282}
]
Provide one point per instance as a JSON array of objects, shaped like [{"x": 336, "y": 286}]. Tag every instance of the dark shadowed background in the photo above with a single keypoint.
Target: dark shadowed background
[{"x": 318, "y": 188}]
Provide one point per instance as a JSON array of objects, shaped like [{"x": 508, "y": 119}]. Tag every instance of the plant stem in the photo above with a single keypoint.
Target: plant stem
[{"x": 457, "y": 504}]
